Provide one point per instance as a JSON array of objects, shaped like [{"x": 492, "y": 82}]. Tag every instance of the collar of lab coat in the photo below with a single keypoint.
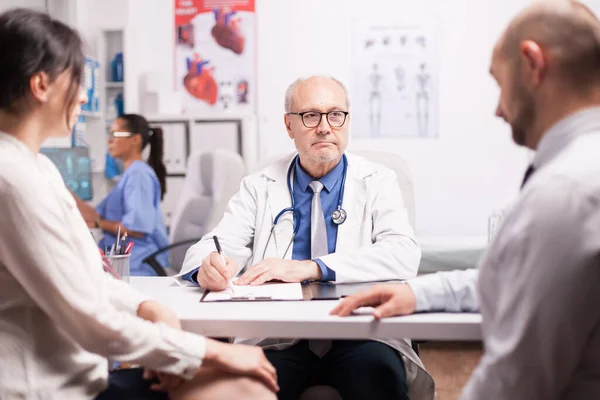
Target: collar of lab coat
[{"x": 278, "y": 198}]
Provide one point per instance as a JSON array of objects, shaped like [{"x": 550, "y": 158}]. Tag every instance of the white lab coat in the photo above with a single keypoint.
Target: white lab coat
[{"x": 375, "y": 243}]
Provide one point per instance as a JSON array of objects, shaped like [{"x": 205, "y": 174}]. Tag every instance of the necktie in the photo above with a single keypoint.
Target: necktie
[
  {"x": 318, "y": 231},
  {"x": 318, "y": 248},
  {"x": 528, "y": 173}
]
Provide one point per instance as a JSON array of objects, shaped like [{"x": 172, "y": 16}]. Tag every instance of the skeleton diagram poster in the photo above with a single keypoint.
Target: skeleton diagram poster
[
  {"x": 215, "y": 54},
  {"x": 394, "y": 79}
]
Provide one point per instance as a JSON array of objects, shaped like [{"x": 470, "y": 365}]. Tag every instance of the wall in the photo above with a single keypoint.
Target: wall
[
  {"x": 473, "y": 167},
  {"x": 459, "y": 179},
  {"x": 39, "y": 5}
]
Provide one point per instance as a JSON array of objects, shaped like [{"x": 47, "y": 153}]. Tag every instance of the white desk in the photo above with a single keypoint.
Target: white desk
[{"x": 294, "y": 319}]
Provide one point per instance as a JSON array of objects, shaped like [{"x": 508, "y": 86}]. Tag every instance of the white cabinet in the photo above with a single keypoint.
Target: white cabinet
[
  {"x": 169, "y": 203},
  {"x": 211, "y": 135},
  {"x": 175, "y": 147}
]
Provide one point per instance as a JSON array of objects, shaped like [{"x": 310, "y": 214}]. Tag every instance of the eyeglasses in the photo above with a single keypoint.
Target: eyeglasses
[
  {"x": 312, "y": 119},
  {"x": 120, "y": 134}
]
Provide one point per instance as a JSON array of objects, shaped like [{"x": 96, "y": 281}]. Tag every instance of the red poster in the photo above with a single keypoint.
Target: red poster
[{"x": 215, "y": 54}]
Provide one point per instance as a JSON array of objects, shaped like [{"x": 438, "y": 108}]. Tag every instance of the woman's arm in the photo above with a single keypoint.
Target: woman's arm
[
  {"x": 46, "y": 249},
  {"x": 89, "y": 213},
  {"x": 94, "y": 220},
  {"x": 112, "y": 227}
]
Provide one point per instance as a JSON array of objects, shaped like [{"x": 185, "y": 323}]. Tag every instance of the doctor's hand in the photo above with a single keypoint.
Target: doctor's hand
[
  {"x": 213, "y": 274},
  {"x": 389, "y": 300},
  {"x": 271, "y": 269}
]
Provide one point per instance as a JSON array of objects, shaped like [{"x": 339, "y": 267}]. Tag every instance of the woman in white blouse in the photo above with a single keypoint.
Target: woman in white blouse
[{"x": 61, "y": 315}]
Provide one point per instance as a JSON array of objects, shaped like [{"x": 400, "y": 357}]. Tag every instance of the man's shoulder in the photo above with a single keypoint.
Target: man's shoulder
[{"x": 578, "y": 166}]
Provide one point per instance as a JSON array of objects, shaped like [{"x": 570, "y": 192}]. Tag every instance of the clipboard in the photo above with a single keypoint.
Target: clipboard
[
  {"x": 333, "y": 291},
  {"x": 242, "y": 299},
  {"x": 266, "y": 292},
  {"x": 310, "y": 291}
]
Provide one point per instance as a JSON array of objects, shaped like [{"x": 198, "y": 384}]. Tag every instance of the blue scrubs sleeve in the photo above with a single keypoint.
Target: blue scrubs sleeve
[{"x": 140, "y": 194}]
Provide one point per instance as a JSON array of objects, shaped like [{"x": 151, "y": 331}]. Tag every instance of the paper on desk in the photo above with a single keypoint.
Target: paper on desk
[{"x": 274, "y": 291}]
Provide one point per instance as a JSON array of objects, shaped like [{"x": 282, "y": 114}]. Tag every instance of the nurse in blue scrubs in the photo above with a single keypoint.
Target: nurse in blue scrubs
[{"x": 134, "y": 203}]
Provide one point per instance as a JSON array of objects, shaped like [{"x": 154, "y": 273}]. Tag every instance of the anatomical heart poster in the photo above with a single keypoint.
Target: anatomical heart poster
[{"x": 215, "y": 55}]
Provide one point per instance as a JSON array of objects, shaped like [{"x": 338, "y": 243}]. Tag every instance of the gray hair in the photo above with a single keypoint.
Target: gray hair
[{"x": 291, "y": 90}]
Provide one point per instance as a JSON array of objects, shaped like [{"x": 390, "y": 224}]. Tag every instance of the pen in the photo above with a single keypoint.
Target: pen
[
  {"x": 123, "y": 244},
  {"x": 220, "y": 251},
  {"x": 118, "y": 237},
  {"x": 128, "y": 248}
]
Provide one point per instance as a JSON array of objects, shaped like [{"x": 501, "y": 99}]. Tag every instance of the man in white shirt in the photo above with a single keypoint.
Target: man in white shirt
[{"x": 538, "y": 286}]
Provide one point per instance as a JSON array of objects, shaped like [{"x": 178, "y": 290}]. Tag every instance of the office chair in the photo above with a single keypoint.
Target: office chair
[
  {"x": 400, "y": 167},
  {"x": 211, "y": 179}
]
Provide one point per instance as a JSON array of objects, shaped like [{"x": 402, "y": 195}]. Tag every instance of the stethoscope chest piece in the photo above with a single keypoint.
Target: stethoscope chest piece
[{"x": 339, "y": 216}]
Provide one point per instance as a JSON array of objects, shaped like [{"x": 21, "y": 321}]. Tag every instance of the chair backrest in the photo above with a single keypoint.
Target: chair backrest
[
  {"x": 397, "y": 164},
  {"x": 391, "y": 160},
  {"x": 212, "y": 178}
]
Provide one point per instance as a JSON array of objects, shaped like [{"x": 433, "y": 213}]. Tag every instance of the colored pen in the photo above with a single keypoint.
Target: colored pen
[
  {"x": 128, "y": 248},
  {"x": 220, "y": 251},
  {"x": 118, "y": 237},
  {"x": 123, "y": 244}
]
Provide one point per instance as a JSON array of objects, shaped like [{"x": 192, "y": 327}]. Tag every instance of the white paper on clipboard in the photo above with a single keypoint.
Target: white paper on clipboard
[{"x": 268, "y": 291}]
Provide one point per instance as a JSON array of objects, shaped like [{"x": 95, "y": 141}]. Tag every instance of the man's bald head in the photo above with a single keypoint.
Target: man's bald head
[{"x": 567, "y": 31}]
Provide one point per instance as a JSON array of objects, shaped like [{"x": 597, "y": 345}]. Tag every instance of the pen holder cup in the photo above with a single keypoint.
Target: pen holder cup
[{"x": 117, "y": 266}]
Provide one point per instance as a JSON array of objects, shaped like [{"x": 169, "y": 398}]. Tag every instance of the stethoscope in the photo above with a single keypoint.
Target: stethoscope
[{"x": 338, "y": 216}]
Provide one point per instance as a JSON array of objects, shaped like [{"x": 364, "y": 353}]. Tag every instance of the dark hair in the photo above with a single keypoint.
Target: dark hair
[
  {"x": 32, "y": 42},
  {"x": 135, "y": 123}
]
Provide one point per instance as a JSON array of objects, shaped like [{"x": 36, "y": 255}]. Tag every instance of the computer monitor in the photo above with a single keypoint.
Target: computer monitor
[{"x": 75, "y": 167}]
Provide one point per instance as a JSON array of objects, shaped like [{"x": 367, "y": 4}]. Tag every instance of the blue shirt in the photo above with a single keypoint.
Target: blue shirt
[
  {"x": 135, "y": 202},
  {"x": 332, "y": 183},
  {"x": 303, "y": 195}
]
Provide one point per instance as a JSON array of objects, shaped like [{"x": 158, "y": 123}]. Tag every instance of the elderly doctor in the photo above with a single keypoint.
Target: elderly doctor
[{"x": 322, "y": 215}]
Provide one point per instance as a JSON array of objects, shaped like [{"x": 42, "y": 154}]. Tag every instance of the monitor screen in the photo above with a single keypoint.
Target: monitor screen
[{"x": 75, "y": 167}]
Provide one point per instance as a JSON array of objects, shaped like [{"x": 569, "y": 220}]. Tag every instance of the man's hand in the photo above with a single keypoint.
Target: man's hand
[
  {"x": 283, "y": 270},
  {"x": 239, "y": 359},
  {"x": 389, "y": 300},
  {"x": 213, "y": 274}
]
